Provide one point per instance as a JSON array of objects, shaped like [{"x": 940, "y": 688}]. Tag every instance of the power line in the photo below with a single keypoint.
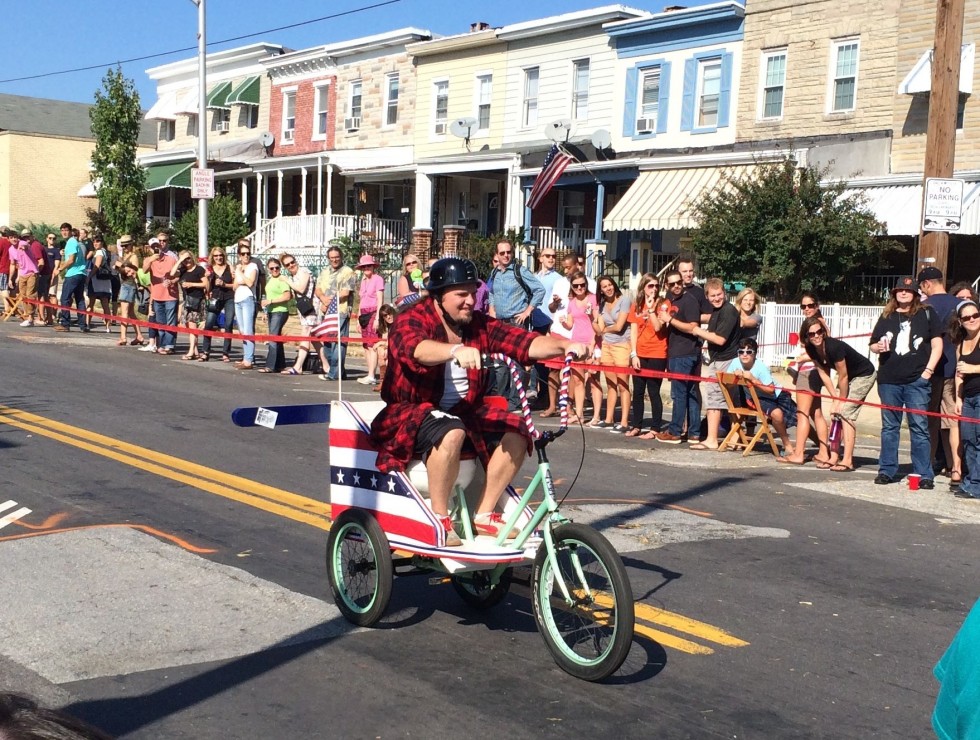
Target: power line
[{"x": 194, "y": 48}]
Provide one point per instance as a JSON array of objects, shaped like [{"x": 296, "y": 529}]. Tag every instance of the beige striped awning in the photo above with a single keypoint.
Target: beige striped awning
[{"x": 662, "y": 199}]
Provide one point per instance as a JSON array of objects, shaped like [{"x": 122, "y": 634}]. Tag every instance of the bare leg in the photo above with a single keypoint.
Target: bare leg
[
  {"x": 714, "y": 424},
  {"x": 612, "y": 395},
  {"x": 779, "y": 422},
  {"x": 596, "y": 390},
  {"x": 503, "y": 466},
  {"x": 625, "y": 399},
  {"x": 372, "y": 361},
  {"x": 850, "y": 438},
  {"x": 442, "y": 468}
]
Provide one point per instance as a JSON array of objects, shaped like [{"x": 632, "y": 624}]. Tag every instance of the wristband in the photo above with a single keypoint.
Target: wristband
[
  {"x": 452, "y": 353},
  {"x": 632, "y": 355}
]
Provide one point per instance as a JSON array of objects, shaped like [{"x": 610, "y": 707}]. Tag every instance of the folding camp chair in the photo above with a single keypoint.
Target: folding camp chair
[
  {"x": 741, "y": 412},
  {"x": 12, "y": 304}
]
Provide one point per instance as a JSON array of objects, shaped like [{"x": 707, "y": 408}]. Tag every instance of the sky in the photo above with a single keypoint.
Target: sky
[{"x": 101, "y": 32}]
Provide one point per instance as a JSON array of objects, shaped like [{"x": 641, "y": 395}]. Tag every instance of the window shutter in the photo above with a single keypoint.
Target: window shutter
[
  {"x": 690, "y": 85},
  {"x": 725, "y": 95},
  {"x": 629, "y": 107},
  {"x": 664, "y": 97}
]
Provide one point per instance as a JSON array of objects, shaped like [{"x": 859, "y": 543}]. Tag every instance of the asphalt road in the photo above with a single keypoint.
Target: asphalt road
[{"x": 168, "y": 580}]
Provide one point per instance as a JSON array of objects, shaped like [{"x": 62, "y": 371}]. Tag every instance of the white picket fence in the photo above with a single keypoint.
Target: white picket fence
[{"x": 781, "y": 325}]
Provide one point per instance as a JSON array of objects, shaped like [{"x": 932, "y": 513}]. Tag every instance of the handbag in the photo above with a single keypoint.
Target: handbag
[
  {"x": 304, "y": 304},
  {"x": 104, "y": 272},
  {"x": 193, "y": 304},
  {"x": 143, "y": 305},
  {"x": 214, "y": 305}
]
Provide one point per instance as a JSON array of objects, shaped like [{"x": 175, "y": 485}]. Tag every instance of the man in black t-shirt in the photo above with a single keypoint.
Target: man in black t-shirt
[
  {"x": 722, "y": 335},
  {"x": 685, "y": 266},
  {"x": 683, "y": 358}
]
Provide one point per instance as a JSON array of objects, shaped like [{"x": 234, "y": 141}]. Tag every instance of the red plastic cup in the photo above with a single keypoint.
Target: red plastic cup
[
  {"x": 794, "y": 338},
  {"x": 914, "y": 479}
]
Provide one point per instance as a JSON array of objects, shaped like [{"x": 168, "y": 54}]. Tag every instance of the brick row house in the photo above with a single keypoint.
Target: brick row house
[{"x": 409, "y": 138}]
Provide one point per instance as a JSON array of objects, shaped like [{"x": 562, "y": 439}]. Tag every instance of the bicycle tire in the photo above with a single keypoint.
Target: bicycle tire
[
  {"x": 591, "y": 638},
  {"x": 476, "y": 590},
  {"x": 359, "y": 567}
]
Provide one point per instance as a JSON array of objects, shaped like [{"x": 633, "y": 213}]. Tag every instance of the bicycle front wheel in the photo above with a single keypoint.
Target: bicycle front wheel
[
  {"x": 359, "y": 567},
  {"x": 590, "y": 637}
]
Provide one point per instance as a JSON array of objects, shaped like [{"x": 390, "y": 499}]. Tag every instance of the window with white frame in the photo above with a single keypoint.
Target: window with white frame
[
  {"x": 529, "y": 116},
  {"x": 773, "y": 83},
  {"x": 354, "y": 106},
  {"x": 580, "y": 89},
  {"x": 649, "y": 97},
  {"x": 708, "y": 93},
  {"x": 484, "y": 93},
  {"x": 221, "y": 121},
  {"x": 321, "y": 99},
  {"x": 288, "y": 116},
  {"x": 391, "y": 99},
  {"x": 249, "y": 118},
  {"x": 844, "y": 68},
  {"x": 168, "y": 130},
  {"x": 440, "y": 112},
  {"x": 192, "y": 124}
]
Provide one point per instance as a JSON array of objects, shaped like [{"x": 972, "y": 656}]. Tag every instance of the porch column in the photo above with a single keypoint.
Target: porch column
[
  {"x": 172, "y": 197},
  {"x": 319, "y": 186},
  {"x": 259, "y": 199},
  {"x": 279, "y": 195},
  {"x": 595, "y": 257},
  {"x": 329, "y": 189},
  {"x": 302, "y": 195},
  {"x": 600, "y": 199},
  {"x": 527, "y": 214},
  {"x": 423, "y": 201},
  {"x": 148, "y": 210},
  {"x": 244, "y": 196}
]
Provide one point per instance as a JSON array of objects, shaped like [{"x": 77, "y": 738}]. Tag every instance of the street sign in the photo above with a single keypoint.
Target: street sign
[
  {"x": 202, "y": 183},
  {"x": 943, "y": 206}
]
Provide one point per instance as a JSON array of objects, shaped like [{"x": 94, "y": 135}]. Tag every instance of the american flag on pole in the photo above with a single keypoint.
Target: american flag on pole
[
  {"x": 554, "y": 165},
  {"x": 329, "y": 328}
]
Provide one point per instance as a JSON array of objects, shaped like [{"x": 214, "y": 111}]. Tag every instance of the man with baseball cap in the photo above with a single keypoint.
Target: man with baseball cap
[{"x": 943, "y": 397}]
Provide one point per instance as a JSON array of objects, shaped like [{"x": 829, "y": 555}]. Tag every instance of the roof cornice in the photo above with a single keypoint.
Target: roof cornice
[
  {"x": 569, "y": 22},
  {"x": 677, "y": 19},
  {"x": 229, "y": 59}
]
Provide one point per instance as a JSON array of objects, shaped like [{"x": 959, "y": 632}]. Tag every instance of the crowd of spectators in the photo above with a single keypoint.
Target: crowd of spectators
[{"x": 672, "y": 328}]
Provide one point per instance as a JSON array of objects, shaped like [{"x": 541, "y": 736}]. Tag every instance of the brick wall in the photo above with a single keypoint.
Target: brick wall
[
  {"x": 303, "y": 142},
  {"x": 805, "y": 28},
  {"x": 43, "y": 177}
]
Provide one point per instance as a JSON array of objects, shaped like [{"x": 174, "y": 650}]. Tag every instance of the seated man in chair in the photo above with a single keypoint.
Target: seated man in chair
[{"x": 434, "y": 390}]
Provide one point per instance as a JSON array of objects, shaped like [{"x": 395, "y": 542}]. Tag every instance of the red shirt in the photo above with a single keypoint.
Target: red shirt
[
  {"x": 4, "y": 255},
  {"x": 412, "y": 390}
]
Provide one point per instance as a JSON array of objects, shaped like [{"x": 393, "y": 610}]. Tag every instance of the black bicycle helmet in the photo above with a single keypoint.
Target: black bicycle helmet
[{"x": 450, "y": 272}]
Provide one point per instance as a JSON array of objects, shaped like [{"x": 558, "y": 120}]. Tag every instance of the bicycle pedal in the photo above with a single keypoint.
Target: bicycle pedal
[{"x": 438, "y": 580}]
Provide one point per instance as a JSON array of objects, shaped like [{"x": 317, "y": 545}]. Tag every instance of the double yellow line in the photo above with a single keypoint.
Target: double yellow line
[
  {"x": 650, "y": 621},
  {"x": 258, "y": 495}
]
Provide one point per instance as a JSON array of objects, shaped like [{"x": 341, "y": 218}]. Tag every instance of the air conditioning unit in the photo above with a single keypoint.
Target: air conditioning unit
[
  {"x": 352, "y": 124},
  {"x": 287, "y": 134},
  {"x": 222, "y": 126},
  {"x": 440, "y": 128},
  {"x": 646, "y": 125}
]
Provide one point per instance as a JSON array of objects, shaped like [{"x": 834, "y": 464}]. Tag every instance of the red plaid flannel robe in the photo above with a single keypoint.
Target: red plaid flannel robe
[{"x": 411, "y": 390}]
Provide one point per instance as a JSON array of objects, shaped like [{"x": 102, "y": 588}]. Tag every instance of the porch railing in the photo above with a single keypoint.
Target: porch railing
[
  {"x": 314, "y": 233},
  {"x": 561, "y": 239}
]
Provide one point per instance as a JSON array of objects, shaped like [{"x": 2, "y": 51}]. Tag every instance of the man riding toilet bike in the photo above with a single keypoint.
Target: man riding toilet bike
[{"x": 434, "y": 392}]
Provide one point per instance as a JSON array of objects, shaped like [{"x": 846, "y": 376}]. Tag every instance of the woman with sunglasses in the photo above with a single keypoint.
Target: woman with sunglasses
[
  {"x": 747, "y": 303},
  {"x": 221, "y": 300},
  {"x": 909, "y": 344},
  {"x": 582, "y": 307},
  {"x": 245, "y": 281},
  {"x": 276, "y": 304},
  {"x": 648, "y": 351},
  {"x": 100, "y": 288},
  {"x": 193, "y": 280},
  {"x": 127, "y": 267},
  {"x": 387, "y": 314},
  {"x": 407, "y": 284},
  {"x": 776, "y": 403},
  {"x": 964, "y": 333},
  {"x": 611, "y": 326},
  {"x": 302, "y": 285},
  {"x": 809, "y": 412},
  {"x": 855, "y": 379}
]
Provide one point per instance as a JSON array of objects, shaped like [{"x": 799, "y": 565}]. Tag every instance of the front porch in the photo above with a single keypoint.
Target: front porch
[{"x": 308, "y": 237}]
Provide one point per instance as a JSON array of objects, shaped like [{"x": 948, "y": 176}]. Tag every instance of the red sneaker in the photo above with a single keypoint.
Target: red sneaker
[
  {"x": 492, "y": 524},
  {"x": 452, "y": 539}
]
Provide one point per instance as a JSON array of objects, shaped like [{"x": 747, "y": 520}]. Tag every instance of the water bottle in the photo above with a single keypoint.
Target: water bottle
[{"x": 836, "y": 434}]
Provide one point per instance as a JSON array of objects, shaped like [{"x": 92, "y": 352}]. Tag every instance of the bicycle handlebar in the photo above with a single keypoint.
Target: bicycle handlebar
[{"x": 566, "y": 372}]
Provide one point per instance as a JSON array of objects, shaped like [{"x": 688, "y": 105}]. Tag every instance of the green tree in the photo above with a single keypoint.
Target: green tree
[
  {"x": 783, "y": 230},
  {"x": 118, "y": 178},
  {"x": 226, "y": 224}
]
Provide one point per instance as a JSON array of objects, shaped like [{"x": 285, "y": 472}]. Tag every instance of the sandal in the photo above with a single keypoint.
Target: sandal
[
  {"x": 202, "y": 357},
  {"x": 955, "y": 478},
  {"x": 291, "y": 371},
  {"x": 165, "y": 352},
  {"x": 266, "y": 370},
  {"x": 548, "y": 414},
  {"x": 225, "y": 358},
  {"x": 652, "y": 434},
  {"x": 244, "y": 365},
  {"x": 633, "y": 432},
  {"x": 189, "y": 357},
  {"x": 122, "y": 343},
  {"x": 138, "y": 343}
]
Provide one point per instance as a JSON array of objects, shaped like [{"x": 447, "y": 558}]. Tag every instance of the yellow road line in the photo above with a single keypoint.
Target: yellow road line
[
  {"x": 249, "y": 499},
  {"x": 306, "y": 510},
  {"x": 259, "y": 489}
]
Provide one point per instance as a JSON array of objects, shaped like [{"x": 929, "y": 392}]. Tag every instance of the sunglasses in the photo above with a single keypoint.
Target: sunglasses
[
  {"x": 549, "y": 256},
  {"x": 579, "y": 285},
  {"x": 651, "y": 285},
  {"x": 274, "y": 267},
  {"x": 289, "y": 264},
  {"x": 971, "y": 317},
  {"x": 805, "y": 306},
  {"x": 746, "y": 351},
  {"x": 218, "y": 256},
  {"x": 244, "y": 254},
  {"x": 672, "y": 283},
  {"x": 412, "y": 262},
  {"x": 816, "y": 333}
]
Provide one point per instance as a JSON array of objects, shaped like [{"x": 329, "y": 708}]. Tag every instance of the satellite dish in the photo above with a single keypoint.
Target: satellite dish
[
  {"x": 558, "y": 130},
  {"x": 601, "y": 139},
  {"x": 267, "y": 139},
  {"x": 461, "y": 127}
]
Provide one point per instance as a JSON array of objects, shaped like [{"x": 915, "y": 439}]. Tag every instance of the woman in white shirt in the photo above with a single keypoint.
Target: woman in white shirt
[{"x": 246, "y": 275}]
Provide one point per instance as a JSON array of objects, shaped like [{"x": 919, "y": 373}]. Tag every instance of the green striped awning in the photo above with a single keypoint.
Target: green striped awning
[
  {"x": 160, "y": 176},
  {"x": 245, "y": 93},
  {"x": 218, "y": 97}
]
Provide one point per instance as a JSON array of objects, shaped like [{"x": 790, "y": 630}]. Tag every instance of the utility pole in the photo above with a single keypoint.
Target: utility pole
[
  {"x": 202, "y": 121},
  {"x": 944, "y": 95}
]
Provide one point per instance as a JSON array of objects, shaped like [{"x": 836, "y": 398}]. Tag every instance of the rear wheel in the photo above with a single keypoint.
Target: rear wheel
[
  {"x": 359, "y": 567},
  {"x": 591, "y": 636},
  {"x": 478, "y": 590}
]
